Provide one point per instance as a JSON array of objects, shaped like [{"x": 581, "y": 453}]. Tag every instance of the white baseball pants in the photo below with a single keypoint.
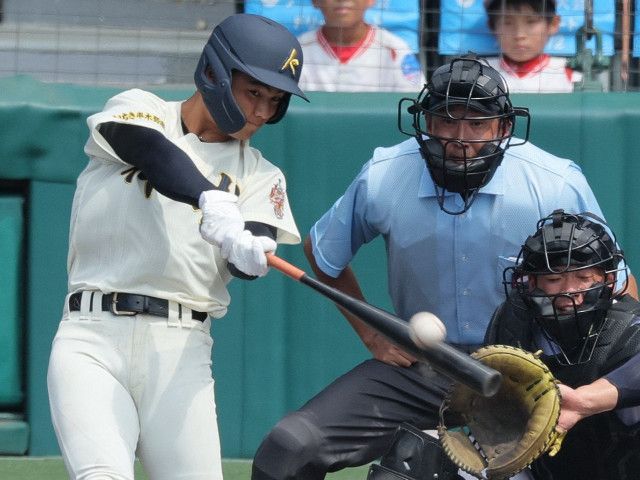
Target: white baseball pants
[{"x": 123, "y": 386}]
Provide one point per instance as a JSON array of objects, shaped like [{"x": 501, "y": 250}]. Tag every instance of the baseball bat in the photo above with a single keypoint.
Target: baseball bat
[{"x": 449, "y": 361}]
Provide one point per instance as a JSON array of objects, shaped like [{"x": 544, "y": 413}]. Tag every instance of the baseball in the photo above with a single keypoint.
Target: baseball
[{"x": 426, "y": 329}]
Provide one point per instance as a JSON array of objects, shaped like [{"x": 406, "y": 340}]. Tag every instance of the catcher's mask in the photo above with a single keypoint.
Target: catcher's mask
[
  {"x": 257, "y": 46},
  {"x": 484, "y": 95},
  {"x": 565, "y": 243}
]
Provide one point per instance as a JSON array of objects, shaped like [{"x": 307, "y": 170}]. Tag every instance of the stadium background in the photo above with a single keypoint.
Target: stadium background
[{"x": 61, "y": 60}]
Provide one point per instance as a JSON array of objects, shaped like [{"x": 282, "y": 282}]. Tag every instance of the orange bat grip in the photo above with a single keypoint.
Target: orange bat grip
[{"x": 284, "y": 266}]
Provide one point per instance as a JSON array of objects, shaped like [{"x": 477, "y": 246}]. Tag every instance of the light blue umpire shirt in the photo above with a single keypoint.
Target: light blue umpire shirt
[{"x": 450, "y": 265}]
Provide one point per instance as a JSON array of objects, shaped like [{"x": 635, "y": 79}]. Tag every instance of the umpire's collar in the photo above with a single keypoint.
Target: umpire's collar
[{"x": 494, "y": 187}]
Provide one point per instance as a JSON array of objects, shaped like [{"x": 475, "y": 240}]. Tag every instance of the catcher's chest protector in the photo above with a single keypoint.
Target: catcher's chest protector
[
  {"x": 617, "y": 343},
  {"x": 600, "y": 447},
  {"x": 510, "y": 326}
]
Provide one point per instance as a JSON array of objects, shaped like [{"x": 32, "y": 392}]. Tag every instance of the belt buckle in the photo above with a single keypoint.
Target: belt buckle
[{"x": 113, "y": 307}]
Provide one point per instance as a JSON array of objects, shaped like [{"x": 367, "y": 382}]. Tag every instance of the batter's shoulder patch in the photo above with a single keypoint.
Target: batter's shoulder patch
[{"x": 278, "y": 197}]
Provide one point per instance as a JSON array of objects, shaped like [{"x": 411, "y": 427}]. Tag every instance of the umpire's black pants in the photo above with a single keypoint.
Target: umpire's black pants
[{"x": 351, "y": 422}]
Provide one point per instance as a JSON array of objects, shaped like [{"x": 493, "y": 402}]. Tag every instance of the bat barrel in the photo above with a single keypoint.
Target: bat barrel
[
  {"x": 442, "y": 357},
  {"x": 461, "y": 367}
]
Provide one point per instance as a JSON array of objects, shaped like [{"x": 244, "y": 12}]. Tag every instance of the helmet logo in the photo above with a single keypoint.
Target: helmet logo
[{"x": 292, "y": 62}]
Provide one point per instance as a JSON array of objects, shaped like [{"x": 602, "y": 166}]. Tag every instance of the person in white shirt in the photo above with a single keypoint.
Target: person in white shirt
[
  {"x": 523, "y": 28},
  {"x": 347, "y": 54}
]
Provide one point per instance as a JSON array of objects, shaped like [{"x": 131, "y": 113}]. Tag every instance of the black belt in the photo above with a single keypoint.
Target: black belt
[{"x": 132, "y": 304}]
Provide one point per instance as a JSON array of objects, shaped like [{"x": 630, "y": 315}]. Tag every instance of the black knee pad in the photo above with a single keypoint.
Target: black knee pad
[
  {"x": 287, "y": 451},
  {"x": 414, "y": 455}
]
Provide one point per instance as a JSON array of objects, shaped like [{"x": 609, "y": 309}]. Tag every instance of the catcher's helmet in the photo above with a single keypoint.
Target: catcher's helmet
[
  {"x": 257, "y": 46},
  {"x": 566, "y": 243},
  {"x": 481, "y": 90}
]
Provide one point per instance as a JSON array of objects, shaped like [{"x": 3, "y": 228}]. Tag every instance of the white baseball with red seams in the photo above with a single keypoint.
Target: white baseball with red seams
[{"x": 426, "y": 329}]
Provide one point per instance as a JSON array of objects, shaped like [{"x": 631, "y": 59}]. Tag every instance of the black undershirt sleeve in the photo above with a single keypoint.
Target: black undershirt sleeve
[
  {"x": 626, "y": 379},
  {"x": 167, "y": 168}
]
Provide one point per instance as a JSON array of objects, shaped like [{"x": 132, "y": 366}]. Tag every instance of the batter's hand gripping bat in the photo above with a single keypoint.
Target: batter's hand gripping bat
[{"x": 446, "y": 359}]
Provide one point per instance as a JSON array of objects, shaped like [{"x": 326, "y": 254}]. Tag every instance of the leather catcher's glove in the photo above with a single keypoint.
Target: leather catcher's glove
[{"x": 496, "y": 437}]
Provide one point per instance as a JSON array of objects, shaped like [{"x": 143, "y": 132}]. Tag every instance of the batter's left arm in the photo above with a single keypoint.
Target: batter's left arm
[
  {"x": 166, "y": 166},
  {"x": 169, "y": 170}
]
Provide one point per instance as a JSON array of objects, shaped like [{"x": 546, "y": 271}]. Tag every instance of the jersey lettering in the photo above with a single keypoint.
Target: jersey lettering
[
  {"x": 225, "y": 184},
  {"x": 132, "y": 172}
]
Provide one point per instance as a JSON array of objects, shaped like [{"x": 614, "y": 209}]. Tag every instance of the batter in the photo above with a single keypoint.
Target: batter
[{"x": 172, "y": 204}]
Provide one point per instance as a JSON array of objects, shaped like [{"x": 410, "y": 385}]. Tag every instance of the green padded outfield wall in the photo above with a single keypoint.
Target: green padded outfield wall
[
  {"x": 280, "y": 342},
  {"x": 11, "y": 321}
]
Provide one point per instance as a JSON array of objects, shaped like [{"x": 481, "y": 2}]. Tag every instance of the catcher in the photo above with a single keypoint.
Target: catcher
[
  {"x": 566, "y": 302},
  {"x": 566, "y": 298}
]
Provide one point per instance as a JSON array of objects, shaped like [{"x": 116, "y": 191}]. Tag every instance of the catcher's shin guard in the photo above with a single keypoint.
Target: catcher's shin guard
[{"x": 413, "y": 455}]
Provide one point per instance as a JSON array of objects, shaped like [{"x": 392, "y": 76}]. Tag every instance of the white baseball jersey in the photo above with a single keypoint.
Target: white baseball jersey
[
  {"x": 544, "y": 74},
  {"x": 122, "y": 386},
  {"x": 163, "y": 254},
  {"x": 383, "y": 63}
]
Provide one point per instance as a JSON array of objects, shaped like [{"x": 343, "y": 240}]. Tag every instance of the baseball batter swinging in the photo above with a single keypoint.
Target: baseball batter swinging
[{"x": 172, "y": 204}]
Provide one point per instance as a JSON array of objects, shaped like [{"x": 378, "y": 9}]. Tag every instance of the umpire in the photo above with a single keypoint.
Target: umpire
[{"x": 454, "y": 204}]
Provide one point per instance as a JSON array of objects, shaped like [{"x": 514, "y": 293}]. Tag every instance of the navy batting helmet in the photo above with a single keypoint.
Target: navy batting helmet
[
  {"x": 256, "y": 46},
  {"x": 481, "y": 90},
  {"x": 565, "y": 243}
]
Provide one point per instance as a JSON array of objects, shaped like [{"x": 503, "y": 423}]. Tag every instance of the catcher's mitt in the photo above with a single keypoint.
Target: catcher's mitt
[{"x": 499, "y": 436}]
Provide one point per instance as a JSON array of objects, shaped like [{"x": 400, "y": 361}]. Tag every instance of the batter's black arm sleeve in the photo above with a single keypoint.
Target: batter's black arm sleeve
[
  {"x": 259, "y": 230},
  {"x": 167, "y": 168},
  {"x": 626, "y": 379}
]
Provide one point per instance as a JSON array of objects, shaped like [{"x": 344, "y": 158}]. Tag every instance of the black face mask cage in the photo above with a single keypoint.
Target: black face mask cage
[
  {"x": 463, "y": 176},
  {"x": 571, "y": 242},
  {"x": 566, "y": 243},
  {"x": 433, "y": 101},
  {"x": 414, "y": 108},
  {"x": 573, "y": 331}
]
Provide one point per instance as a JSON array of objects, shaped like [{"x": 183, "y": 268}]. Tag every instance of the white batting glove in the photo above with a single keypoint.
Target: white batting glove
[
  {"x": 222, "y": 221},
  {"x": 247, "y": 253}
]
